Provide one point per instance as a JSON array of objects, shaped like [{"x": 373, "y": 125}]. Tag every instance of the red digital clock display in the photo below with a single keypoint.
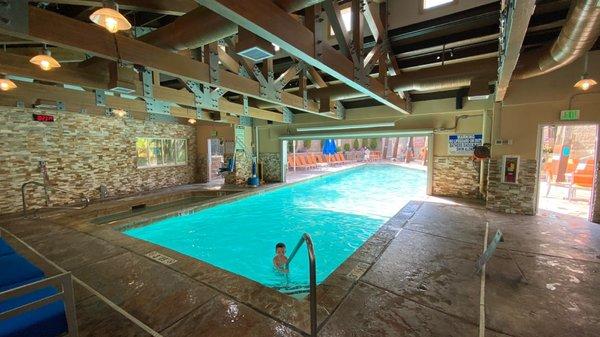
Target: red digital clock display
[{"x": 43, "y": 118}]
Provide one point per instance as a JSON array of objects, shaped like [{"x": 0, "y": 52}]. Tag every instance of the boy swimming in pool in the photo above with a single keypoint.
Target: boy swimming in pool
[{"x": 280, "y": 260}]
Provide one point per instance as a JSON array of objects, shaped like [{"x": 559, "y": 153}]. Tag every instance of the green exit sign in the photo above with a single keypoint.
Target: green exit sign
[{"x": 569, "y": 115}]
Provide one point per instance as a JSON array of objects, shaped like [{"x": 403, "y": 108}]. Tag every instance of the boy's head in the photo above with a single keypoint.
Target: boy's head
[{"x": 280, "y": 248}]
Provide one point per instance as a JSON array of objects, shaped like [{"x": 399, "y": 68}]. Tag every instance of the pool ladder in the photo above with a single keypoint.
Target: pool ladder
[
  {"x": 312, "y": 278},
  {"x": 84, "y": 200}
]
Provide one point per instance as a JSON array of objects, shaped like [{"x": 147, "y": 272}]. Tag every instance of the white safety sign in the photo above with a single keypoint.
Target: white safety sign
[{"x": 463, "y": 144}]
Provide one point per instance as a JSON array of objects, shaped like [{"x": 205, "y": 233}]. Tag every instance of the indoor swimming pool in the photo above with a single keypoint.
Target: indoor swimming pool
[{"x": 340, "y": 211}]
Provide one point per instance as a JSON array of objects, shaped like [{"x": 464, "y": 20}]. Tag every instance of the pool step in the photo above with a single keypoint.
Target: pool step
[
  {"x": 294, "y": 289},
  {"x": 136, "y": 211}
]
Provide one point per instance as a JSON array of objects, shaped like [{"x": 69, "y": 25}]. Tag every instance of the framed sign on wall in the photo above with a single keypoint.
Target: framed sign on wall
[
  {"x": 463, "y": 144},
  {"x": 510, "y": 169}
]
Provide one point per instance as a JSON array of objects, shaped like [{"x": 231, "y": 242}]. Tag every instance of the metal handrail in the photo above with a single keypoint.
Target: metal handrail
[
  {"x": 312, "y": 278},
  {"x": 84, "y": 199}
]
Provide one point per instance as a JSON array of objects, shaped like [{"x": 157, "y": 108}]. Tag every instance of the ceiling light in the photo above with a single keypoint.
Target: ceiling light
[
  {"x": 6, "y": 84},
  {"x": 119, "y": 112},
  {"x": 585, "y": 82},
  {"x": 276, "y": 47},
  {"x": 347, "y": 127},
  {"x": 192, "y": 121},
  {"x": 110, "y": 18},
  {"x": 45, "y": 60}
]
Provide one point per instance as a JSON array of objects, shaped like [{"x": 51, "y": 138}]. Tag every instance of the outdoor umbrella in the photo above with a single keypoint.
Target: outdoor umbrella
[{"x": 329, "y": 147}]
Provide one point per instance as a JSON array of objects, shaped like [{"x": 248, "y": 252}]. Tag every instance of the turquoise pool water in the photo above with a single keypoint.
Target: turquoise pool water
[{"x": 340, "y": 212}]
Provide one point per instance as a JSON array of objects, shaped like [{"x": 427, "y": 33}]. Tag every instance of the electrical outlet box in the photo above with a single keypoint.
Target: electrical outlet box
[{"x": 503, "y": 142}]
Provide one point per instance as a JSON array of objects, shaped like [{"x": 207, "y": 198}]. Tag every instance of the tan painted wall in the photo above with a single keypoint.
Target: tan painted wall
[
  {"x": 204, "y": 132},
  {"x": 530, "y": 103}
]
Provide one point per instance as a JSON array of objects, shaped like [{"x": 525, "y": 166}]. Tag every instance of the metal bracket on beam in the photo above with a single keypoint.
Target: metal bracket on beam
[
  {"x": 60, "y": 105},
  {"x": 246, "y": 121},
  {"x": 320, "y": 32},
  {"x": 100, "y": 97},
  {"x": 268, "y": 88},
  {"x": 213, "y": 63},
  {"x": 14, "y": 15},
  {"x": 156, "y": 117},
  {"x": 204, "y": 96},
  {"x": 243, "y": 72},
  {"x": 245, "y": 105},
  {"x": 147, "y": 84},
  {"x": 153, "y": 106},
  {"x": 288, "y": 116}
]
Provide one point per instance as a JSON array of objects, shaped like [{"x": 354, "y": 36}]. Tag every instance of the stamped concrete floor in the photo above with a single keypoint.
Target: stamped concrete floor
[{"x": 419, "y": 282}]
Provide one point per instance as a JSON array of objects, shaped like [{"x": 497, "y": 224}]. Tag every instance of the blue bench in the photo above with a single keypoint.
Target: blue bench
[{"x": 30, "y": 303}]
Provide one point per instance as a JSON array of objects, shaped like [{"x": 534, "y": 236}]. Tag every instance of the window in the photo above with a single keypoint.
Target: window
[
  {"x": 428, "y": 4},
  {"x": 346, "y": 20},
  {"x": 154, "y": 152}
]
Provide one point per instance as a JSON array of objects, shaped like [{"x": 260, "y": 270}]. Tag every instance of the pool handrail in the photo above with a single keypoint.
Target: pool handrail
[
  {"x": 312, "y": 278},
  {"x": 84, "y": 200}
]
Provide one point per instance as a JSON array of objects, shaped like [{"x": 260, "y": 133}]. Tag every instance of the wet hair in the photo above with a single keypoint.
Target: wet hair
[{"x": 280, "y": 245}]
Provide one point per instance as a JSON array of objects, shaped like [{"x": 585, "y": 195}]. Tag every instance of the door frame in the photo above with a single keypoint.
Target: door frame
[{"x": 538, "y": 157}]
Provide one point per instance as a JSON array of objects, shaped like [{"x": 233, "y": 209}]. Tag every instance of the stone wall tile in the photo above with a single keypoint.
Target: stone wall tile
[{"x": 83, "y": 152}]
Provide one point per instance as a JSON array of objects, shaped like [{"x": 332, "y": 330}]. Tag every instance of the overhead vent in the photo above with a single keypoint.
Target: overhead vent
[
  {"x": 255, "y": 54},
  {"x": 122, "y": 90},
  {"x": 253, "y": 47}
]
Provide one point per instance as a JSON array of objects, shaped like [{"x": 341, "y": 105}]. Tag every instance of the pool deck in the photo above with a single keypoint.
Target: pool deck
[{"x": 414, "y": 277}]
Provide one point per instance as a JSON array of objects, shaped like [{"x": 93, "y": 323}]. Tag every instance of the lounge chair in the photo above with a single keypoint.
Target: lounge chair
[
  {"x": 340, "y": 158},
  {"x": 298, "y": 165},
  {"x": 30, "y": 302},
  {"x": 305, "y": 163},
  {"x": 310, "y": 159},
  {"x": 582, "y": 177},
  {"x": 321, "y": 160}
]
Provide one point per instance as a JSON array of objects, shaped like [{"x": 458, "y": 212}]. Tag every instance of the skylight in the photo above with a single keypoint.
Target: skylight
[
  {"x": 346, "y": 20},
  {"x": 427, "y": 4}
]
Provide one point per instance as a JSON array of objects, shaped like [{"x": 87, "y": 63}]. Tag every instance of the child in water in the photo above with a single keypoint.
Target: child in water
[{"x": 280, "y": 260}]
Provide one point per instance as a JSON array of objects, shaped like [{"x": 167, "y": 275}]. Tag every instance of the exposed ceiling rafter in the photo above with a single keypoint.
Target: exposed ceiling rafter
[
  {"x": 73, "y": 34},
  {"x": 169, "y": 7},
  {"x": 280, "y": 28}
]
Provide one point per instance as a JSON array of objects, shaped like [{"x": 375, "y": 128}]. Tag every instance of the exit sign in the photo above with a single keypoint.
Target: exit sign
[{"x": 569, "y": 115}]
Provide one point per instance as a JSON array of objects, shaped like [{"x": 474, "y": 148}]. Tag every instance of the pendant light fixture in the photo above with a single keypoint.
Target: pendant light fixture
[
  {"x": 110, "y": 18},
  {"x": 192, "y": 121},
  {"x": 45, "y": 60},
  {"x": 119, "y": 112},
  {"x": 585, "y": 82},
  {"x": 6, "y": 84}
]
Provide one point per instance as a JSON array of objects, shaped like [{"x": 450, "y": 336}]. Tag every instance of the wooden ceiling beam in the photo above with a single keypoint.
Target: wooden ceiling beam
[
  {"x": 95, "y": 40},
  {"x": 169, "y": 7},
  {"x": 19, "y": 65},
  {"x": 280, "y": 28},
  {"x": 94, "y": 79}
]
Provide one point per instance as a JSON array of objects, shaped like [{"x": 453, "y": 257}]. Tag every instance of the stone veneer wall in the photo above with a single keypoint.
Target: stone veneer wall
[
  {"x": 271, "y": 167},
  {"x": 202, "y": 168},
  {"x": 455, "y": 176},
  {"x": 596, "y": 206},
  {"x": 83, "y": 152},
  {"x": 243, "y": 168},
  {"x": 512, "y": 198}
]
